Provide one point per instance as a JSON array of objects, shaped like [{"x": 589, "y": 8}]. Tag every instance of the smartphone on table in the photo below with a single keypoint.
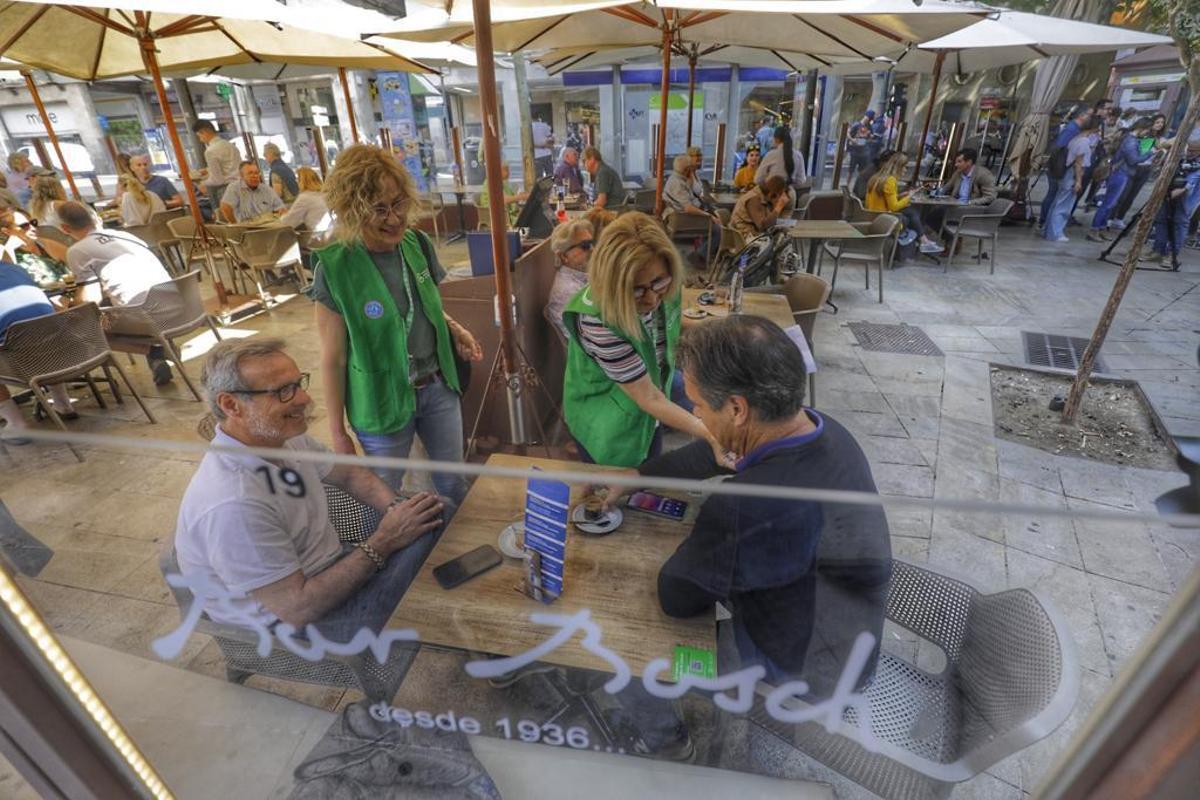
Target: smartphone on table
[
  {"x": 466, "y": 566},
  {"x": 658, "y": 505}
]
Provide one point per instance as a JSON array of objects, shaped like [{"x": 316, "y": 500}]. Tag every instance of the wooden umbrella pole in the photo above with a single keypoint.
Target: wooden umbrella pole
[
  {"x": 662, "y": 114},
  {"x": 151, "y": 61},
  {"x": 41, "y": 109},
  {"x": 349, "y": 104},
  {"x": 691, "y": 93},
  {"x": 489, "y": 106},
  {"x": 937, "y": 77}
]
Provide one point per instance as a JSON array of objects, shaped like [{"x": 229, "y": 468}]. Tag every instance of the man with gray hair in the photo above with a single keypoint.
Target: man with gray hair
[
  {"x": 567, "y": 173},
  {"x": 571, "y": 243},
  {"x": 139, "y": 165},
  {"x": 283, "y": 179},
  {"x": 257, "y": 527},
  {"x": 800, "y": 578}
]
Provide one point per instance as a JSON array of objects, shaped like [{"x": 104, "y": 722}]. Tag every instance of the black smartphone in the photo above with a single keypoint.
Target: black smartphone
[
  {"x": 466, "y": 566},
  {"x": 652, "y": 503}
]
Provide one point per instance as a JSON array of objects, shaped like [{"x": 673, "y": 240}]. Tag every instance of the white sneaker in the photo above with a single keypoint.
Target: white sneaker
[
  {"x": 931, "y": 247},
  {"x": 1119, "y": 224},
  {"x": 1062, "y": 239}
]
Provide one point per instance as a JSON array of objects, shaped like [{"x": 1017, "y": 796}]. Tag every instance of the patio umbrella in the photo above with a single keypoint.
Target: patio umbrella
[
  {"x": 1015, "y": 37},
  {"x": 845, "y": 29},
  {"x": 113, "y": 38}
]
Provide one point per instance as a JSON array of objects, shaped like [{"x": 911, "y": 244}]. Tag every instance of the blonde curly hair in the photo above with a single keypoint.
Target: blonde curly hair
[{"x": 357, "y": 183}]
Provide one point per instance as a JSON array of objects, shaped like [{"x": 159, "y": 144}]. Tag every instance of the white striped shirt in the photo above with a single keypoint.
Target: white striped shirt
[{"x": 615, "y": 355}]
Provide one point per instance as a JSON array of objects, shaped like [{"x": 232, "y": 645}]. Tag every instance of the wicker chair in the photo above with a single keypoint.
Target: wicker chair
[
  {"x": 979, "y": 223},
  {"x": 274, "y": 249},
  {"x": 877, "y": 246},
  {"x": 56, "y": 348},
  {"x": 806, "y": 295},
  {"x": 1011, "y": 678},
  {"x": 186, "y": 237},
  {"x": 354, "y": 522},
  {"x": 169, "y": 311}
]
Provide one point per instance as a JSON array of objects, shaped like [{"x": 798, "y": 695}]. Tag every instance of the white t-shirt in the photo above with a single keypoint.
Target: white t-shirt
[
  {"x": 309, "y": 209},
  {"x": 542, "y": 136},
  {"x": 245, "y": 523},
  {"x": 223, "y": 162},
  {"x": 134, "y": 213},
  {"x": 125, "y": 265},
  {"x": 1081, "y": 146}
]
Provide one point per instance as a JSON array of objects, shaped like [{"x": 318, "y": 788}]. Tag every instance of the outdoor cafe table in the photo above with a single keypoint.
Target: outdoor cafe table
[
  {"x": 725, "y": 199},
  {"x": 772, "y": 306},
  {"x": 817, "y": 231},
  {"x": 614, "y": 576}
]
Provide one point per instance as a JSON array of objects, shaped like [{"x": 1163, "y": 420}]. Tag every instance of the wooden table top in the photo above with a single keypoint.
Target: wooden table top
[
  {"x": 615, "y": 576},
  {"x": 772, "y": 306},
  {"x": 823, "y": 229}
]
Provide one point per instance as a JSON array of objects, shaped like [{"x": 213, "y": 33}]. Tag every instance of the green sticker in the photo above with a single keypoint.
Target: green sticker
[{"x": 693, "y": 661}]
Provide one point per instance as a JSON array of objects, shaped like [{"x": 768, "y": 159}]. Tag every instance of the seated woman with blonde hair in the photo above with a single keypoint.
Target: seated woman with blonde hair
[
  {"x": 882, "y": 195},
  {"x": 309, "y": 210},
  {"x": 137, "y": 204}
]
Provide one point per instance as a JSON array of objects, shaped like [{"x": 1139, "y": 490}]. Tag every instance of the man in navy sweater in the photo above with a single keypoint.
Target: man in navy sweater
[{"x": 801, "y": 579}]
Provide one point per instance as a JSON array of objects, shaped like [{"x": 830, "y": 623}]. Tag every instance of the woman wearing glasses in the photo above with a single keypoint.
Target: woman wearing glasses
[
  {"x": 571, "y": 243},
  {"x": 622, "y": 331},
  {"x": 387, "y": 347}
]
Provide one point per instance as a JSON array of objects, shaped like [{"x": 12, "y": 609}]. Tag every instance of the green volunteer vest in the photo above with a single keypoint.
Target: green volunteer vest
[
  {"x": 379, "y": 395},
  {"x": 598, "y": 412}
]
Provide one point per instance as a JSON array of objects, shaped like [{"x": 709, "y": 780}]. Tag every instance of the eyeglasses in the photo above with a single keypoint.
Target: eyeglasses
[
  {"x": 659, "y": 287},
  {"x": 285, "y": 393},
  {"x": 586, "y": 246},
  {"x": 382, "y": 211}
]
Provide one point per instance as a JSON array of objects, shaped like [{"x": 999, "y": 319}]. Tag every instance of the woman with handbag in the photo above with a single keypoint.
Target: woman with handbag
[{"x": 388, "y": 350}]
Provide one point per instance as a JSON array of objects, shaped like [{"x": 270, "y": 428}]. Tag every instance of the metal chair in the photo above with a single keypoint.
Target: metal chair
[
  {"x": 183, "y": 229},
  {"x": 1011, "y": 678},
  {"x": 432, "y": 213},
  {"x": 354, "y": 522},
  {"x": 877, "y": 246},
  {"x": 57, "y": 348},
  {"x": 976, "y": 222},
  {"x": 169, "y": 311}
]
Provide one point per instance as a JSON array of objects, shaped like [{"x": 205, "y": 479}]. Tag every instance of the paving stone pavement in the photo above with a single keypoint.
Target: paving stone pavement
[{"x": 924, "y": 423}]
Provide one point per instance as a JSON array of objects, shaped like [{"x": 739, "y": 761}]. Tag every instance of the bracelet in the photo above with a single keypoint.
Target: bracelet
[{"x": 372, "y": 554}]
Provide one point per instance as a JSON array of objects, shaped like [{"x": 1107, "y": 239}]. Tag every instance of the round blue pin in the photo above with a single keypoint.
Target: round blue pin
[{"x": 373, "y": 309}]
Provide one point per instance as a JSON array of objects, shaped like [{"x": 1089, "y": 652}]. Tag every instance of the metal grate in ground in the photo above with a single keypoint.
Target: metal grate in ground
[
  {"x": 1054, "y": 350},
  {"x": 907, "y": 339}
]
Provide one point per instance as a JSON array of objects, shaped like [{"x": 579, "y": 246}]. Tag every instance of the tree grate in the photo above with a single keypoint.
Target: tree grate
[
  {"x": 1057, "y": 351},
  {"x": 907, "y": 339}
]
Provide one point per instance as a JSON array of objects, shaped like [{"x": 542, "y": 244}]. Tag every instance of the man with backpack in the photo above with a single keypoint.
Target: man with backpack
[
  {"x": 1124, "y": 163},
  {"x": 1056, "y": 167},
  {"x": 1071, "y": 182}
]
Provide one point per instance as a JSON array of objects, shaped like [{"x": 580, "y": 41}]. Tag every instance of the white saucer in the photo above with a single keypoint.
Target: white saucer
[
  {"x": 608, "y": 522},
  {"x": 511, "y": 539}
]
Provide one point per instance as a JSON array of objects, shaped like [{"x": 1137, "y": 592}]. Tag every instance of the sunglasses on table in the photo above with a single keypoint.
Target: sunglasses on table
[
  {"x": 659, "y": 287},
  {"x": 285, "y": 393}
]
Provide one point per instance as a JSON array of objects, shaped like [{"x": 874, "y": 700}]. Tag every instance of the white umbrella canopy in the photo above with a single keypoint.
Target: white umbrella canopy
[
  {"x": 99, "y": 39},
  {"x": 1016, "y": 37},
  {"x": 846, "y": 29},
  {"x": 557, "y": 61}
]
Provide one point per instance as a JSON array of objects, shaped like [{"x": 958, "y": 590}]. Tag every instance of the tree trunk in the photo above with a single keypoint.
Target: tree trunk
[{"x": 1140, "y": 234}]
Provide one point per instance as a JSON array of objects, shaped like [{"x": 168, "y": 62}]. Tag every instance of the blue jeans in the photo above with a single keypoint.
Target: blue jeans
[
  {"x": 1048, "y": 200},
  {"x": 437, "y": 419},
  {"x": 372, "y": 604},
  {"x": 1113, "y": 189},
  {"x": 1170, "y": 228},
  {"x": 1060, "y": 211}
]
